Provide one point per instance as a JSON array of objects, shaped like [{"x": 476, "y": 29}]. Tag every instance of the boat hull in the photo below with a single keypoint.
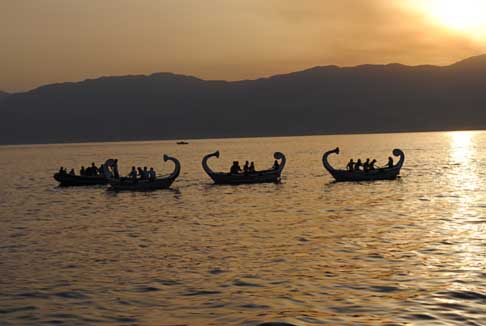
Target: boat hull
[
  {"x": 373, "y": 175},
  {"x": 236, "y": 179},
  {"x": 66, "y": 180},
  {"x": 388, "y": 173},
  {"x": 140, "y": 185},
  {"x": 264, "y": 176}
]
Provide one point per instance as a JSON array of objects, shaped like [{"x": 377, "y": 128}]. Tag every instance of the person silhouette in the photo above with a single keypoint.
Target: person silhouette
[
  {"x": 235, "y": 168},
  {"x": 366, "y": 165},
  {"x": 152, "y": 174},
  {"x": 246, "y": 167},
  {"x": 133, "y": 173},
  {"x": 390, "y": 162},
  {"x": 252, "y": 167},
  {"x": 358, "y": 165},
  {"x": 350, "y": 166},
  {"x": 372, "y": 165}
]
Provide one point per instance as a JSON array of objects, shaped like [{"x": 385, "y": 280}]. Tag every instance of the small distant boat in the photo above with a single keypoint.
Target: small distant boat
[
  {"x": 120, "y": 184},
  {"x": 67, "y": 180},
  {"x": 388, "y": 173},
  {"x": 182, "y": 143},
  {"x": 265, "y": 176}
]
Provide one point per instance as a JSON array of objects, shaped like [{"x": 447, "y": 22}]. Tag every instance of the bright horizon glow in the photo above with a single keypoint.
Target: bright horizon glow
[{"x": 465, "y": 16}]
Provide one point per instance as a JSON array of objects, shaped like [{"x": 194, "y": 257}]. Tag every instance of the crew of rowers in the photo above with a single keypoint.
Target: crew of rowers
[
  {"x": 248, "y": 167},
  {"x": 90, "y": 171},
  {"x": 367, "y": 165},
  {"x": 142, "y": 174}
]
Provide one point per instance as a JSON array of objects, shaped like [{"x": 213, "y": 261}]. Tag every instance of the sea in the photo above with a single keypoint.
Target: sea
[{"x": 306, "y": 251}]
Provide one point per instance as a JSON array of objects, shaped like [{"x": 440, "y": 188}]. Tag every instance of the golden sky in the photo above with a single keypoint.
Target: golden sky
[{"x": 46, "y": 41}]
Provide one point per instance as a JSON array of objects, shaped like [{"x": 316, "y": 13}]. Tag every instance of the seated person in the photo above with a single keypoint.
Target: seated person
[
  {"x": 366, "y": 165},
  {"x": 372, "y": 165},
  {"x": 101, "y": 170},
  {"x": 350, "y": 166},
  {"x": 390, "y": 162},
  {"x": 133, "y": 173},
  {"x": 72, "y": 172},
  {"x": 246, "y": 167},
  {"x": 145, "y": 173},
  {"x": 82, "y": 172},
  {"x": 235, "y": 168},
  {"x": 275, "y": 165},
  {"x": 151, "y": 174},
  {"x": 94, "y": 169},
  {"x": 140, "y": 172},
  {"x": 358, "y": 165},
  {"x": 251, "y": 169},
  {"x": 61, "y": 170}
]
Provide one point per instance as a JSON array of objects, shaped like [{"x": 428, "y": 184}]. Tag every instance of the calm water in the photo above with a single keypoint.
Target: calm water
[{"x": 303, "y": 252}]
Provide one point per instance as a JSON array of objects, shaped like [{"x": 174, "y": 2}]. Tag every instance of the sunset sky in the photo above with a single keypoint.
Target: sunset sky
[{"x": 46, "y": 41}]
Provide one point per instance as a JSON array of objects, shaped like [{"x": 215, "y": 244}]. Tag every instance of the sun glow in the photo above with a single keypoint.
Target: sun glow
[{"x": 467, "y": 16}]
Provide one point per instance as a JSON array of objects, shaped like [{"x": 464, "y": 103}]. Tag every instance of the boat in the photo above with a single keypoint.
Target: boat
[
  {"x": 265, "y": 176},
  {"x": 68, "y": 180},
  {"x": 387, "y": 173},
  {"x": 120, "y": 184},
  {"x": 182, "y": 143}
]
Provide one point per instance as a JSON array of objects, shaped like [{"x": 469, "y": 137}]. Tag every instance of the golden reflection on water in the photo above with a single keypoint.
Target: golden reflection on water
[
  {"x": 307, "y": 251},
  {"x": 461, "y": 145},
  {"x": 465, "y": 181}
]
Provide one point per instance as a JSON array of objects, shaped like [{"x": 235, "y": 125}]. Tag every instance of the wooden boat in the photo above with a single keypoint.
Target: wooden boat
[
  {"x": 67, "y": 180},
  {"x": 265, "y": 176},
  {"x": 388, "y": 173},
  {"x": 119, "y": 184},
  {"x": 182, "y": 143}
]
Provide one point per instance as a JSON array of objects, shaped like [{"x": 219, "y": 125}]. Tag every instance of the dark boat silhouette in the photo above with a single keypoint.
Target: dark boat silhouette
[
  {"x": 67, "y": 180},
  {"x": 119, "y": 184},
  {"x": 264, "y": 176},
  {"x": 182, "y": 143},
  {"x": 388, "y": 173}
]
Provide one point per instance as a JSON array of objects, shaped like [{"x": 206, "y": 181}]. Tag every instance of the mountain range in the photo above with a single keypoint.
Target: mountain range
[{"x": 320, "y": 100}]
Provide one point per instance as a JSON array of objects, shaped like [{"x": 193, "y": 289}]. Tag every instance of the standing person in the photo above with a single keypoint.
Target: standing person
[
  {"x": 350, "y": 166},
  {"x": 82, "y": 172},
  {"x": 145, "y": 174},
  {"x": 252, "y": 167}
]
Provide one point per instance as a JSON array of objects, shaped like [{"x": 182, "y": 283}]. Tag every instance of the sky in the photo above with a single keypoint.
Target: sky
[{"x": 48, "y": 41}]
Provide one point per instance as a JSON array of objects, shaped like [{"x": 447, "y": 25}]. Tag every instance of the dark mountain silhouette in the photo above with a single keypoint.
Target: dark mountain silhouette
[{"x": 367, "y": 98}]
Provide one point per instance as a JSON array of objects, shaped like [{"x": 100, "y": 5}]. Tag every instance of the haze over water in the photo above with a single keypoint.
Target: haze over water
[{"x": 306, "y": 252}]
